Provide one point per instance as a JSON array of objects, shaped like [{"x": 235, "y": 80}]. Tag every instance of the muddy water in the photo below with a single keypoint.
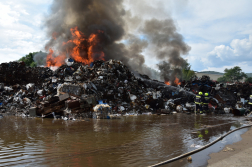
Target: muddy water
[{"x": 130, "y": 141}]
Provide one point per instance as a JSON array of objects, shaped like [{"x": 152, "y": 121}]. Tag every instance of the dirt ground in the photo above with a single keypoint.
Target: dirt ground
[{"x": 237, "y": 154}]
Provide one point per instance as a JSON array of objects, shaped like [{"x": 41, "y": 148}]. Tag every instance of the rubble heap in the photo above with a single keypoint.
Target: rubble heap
[
  {"x": 223, "y": 95},
  {"x": 17, "y": 73},
  {"x": 74, "y": 89}
]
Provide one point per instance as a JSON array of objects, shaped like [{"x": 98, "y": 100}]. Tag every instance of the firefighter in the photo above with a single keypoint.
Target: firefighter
[
  {"x": 198, "y": 101},
  {"x": 250, "y": 103},
  {"x": 205, "y": 103}
]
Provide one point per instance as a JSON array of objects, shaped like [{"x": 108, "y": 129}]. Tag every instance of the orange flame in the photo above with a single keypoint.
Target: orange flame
[
  {"x": 176, "y": 82},
  {"x": 83, "y": 50},
  {"x": 54, "y": 61},
  {"x": 167, "y": 83}
]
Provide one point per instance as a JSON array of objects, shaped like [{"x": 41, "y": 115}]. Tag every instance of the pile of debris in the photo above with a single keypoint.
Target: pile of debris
[
  {"x": 75, "y": 89},
  {"x": 223, "y": 96},
  {"x": 17, "y": 73}
]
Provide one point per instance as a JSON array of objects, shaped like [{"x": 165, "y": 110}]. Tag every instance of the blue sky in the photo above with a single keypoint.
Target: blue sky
[{"x": 219, "y": 32}]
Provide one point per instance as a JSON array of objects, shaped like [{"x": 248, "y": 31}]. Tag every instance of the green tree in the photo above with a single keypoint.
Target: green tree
[
  {"x": 28, "y": 59},
  {"x": 249, "y": 80},
  {"x": 234, "y": 74},
  {"x": 222, "y": 79},
  {"x": 187, "y": 73}
]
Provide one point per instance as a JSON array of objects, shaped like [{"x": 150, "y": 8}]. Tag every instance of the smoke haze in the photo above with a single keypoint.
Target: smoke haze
[
  {"x": 40, "y": 58},
  {"x": 121, "y": 35}
]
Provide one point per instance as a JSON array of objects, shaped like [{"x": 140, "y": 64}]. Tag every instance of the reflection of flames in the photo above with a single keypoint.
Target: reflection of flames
[
  {"x": 83, "y": 50},
  {"x": 176, "y": 82}
]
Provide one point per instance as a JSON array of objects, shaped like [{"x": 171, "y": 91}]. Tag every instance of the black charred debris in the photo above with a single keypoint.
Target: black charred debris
[{"x": 78, "y": 91}]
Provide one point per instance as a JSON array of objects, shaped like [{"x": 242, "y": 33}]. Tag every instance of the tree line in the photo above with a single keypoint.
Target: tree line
[{"x": 234, "y": 74}]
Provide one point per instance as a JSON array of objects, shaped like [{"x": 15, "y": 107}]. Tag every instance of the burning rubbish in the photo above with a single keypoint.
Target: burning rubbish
[
  {"x": 78, "y": 38},
  {"x": 105, "y": 88},
  {"x": 84, "y": 51},
  {"x": 75, "y": 89}
]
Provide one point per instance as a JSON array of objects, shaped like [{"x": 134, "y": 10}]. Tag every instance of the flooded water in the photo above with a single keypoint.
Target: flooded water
[{"x": 130, "y": 141}]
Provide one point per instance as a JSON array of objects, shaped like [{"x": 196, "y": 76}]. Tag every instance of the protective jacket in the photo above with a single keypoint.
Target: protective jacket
[
  {"x": 250, "y": 101},
  {"x": 205, "y": 100},
  {"x": 198, "y": 99}
]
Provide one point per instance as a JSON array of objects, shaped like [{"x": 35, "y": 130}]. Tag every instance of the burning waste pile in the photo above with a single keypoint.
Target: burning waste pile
[
  {"x": 74, "y": 90},
  {"x": 85, "y": 39}
]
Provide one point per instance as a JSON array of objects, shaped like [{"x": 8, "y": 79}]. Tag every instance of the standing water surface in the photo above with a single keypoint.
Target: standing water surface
[{"x": 130, "y": 141}]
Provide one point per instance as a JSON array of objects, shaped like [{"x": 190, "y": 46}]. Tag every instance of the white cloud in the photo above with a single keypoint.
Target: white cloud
[
  {"x": 20, "y": 28},
  {"x": 208, "y": 26},
  {"x": 244, "y": 66},
  {"x": 213, "y": 20},
  {"x": 239, "y": 51},
  {"x": 7, "y": 16},
  {"x": 197, "y": 54}
]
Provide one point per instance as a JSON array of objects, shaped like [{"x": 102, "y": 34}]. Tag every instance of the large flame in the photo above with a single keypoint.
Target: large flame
[
  {"x": 54, "y": 61},
  {"x": 176, "y": 82},
  {"x": 83, "y": 50}
]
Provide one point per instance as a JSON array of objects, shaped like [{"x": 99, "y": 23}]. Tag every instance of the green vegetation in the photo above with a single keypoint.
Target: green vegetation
[
  {"x": 187, "y": 73},
  {"x": 222, "y": 79},
  {"x": 40, "y": 58},
  {"x": 28, "y": 59},
  {"x": 249, "y": 80},
  {"x": 232, "y": 75}
]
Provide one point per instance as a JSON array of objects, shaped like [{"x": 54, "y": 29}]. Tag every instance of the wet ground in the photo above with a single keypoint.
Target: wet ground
[{"x": 130, "y": 141}]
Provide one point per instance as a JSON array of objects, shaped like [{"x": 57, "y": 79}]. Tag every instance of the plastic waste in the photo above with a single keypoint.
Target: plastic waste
[
  {"x": 227, "y": 110},
  {"x": 8, "y": 88},
  {"x": 132, "y": 97},
  {"x": 30, "y": 85},
  {"x": 40, "y": 92},
  {"x": 69, "y": 61}
]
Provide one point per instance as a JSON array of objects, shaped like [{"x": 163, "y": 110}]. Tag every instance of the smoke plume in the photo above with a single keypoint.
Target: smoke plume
[
  {"x": 40, "y": 58},
  {"x": 108, "y": 20}
]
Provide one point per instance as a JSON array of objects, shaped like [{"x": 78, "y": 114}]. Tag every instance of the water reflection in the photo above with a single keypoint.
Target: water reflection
[{"x": 129, "y": 141}]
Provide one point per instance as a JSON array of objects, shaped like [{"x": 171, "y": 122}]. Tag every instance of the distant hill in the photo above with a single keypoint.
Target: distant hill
[
  {"x": 215, "y": 75},
  {"x": 219, "y": 73},
  {"x": 249, "y": 74},
  {"x": 211, "y": 72}
]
